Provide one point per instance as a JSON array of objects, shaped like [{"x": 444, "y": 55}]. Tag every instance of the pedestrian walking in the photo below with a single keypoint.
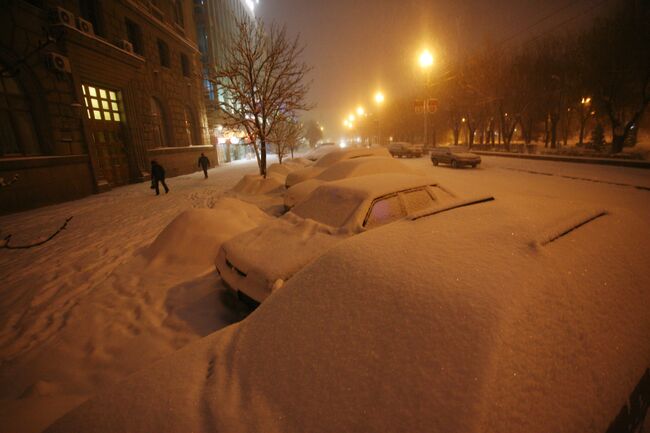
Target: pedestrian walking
[
  {"x": 158, "y": 176},
  {"x": 204, "y": 163}
]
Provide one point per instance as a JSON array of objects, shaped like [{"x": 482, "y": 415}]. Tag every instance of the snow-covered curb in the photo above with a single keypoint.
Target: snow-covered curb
[{"x": 575, "y": 159}]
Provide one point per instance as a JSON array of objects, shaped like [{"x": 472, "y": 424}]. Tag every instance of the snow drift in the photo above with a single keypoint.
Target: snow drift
[{"x": 194, "y": 237}]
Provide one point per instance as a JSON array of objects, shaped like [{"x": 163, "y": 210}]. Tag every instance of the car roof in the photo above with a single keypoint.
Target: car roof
[
  {"x": 376, "y": 185},
  {"x": 342, "y": 169}
]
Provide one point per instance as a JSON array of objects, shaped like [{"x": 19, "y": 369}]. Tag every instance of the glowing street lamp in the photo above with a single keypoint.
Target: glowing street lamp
[
  {"x": 426, "y": 59},
  {"x": 379, "y": 100},
  {"x": 360, "y": 111},
  {"x": 426, "y": 62},
  {"x": 351, "y": 118}
]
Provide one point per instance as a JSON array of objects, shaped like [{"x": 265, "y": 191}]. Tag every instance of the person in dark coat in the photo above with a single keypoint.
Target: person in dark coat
[
  {"x": 204, "y": 163},
  {"x": 158, "y": 176}
]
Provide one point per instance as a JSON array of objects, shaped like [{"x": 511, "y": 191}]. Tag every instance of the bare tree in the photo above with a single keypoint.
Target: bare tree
[
  {"x": 617, "y": 67},
  {"x": 285, "y": 137},
  {"x": 262, "y": 83},
  {"x": 313, "y": 133}
]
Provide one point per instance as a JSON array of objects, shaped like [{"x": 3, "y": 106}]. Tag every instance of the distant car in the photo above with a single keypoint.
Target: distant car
[
  {"x": 343, "y": 170},
  {"x": 330, "y": 159},
  {"x": 259, "y": 261},
  {"x": 403, "y": 149},
  {"x": 454, "y": 156}
]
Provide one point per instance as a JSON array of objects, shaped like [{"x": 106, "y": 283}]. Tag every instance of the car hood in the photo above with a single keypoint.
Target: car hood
[{"x": 279, "y": 249}]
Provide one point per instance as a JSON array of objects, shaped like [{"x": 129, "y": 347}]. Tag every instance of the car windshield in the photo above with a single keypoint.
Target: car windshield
[
  {"x": 329, "y": 206},
  {"x": 459, "y": 149}
]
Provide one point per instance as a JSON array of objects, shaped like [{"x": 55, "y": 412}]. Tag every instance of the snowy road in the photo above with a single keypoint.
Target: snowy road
[{"x": 84, "y": 311}]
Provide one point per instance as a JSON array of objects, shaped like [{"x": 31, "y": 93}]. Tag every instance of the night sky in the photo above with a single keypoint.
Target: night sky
[{"x": 358, "y": 46}]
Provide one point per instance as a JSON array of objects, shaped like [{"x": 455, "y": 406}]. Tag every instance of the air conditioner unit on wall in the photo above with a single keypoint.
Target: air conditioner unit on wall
[
  {"x": 58, "y": 62},
  {"x": 125, "y": 45},
  {"x": 85, "y": 26},
  {"x": 62, "y": 16}
]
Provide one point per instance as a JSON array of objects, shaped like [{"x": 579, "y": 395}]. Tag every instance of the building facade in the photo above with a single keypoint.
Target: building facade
[
  {"x": 92, "y": 91},
  {"x": 216, "y": 23}
]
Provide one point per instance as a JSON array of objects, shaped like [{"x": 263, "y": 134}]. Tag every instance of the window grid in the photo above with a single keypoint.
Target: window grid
[{"x": 101, "y": 104}]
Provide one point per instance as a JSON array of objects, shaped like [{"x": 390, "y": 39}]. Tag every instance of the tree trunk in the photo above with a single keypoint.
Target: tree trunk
[
  {"x": 263, "y": 157},
  {"x": 583, "y": 122},
  {"x": 456, "y": 132},
  {"x": 554, "y": 122}
]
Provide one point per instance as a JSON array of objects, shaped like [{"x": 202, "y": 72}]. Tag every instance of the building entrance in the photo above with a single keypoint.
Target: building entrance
[{"x": 103, "y": 107}]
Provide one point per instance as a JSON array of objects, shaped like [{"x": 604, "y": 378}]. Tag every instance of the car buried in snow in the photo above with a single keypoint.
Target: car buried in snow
[
  {"x": 456, "y": 156},
  {"x": 343, "y": 170},
  {"x": 329, "y": 159},
  {"x": 257, "y": 262}
]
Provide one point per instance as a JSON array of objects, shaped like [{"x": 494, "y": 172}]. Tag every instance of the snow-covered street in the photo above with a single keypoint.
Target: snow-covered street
[{"x": 94, "y": 305}]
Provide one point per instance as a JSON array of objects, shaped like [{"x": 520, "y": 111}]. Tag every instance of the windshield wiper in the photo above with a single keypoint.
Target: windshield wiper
[{"x": 451, "y": 206}]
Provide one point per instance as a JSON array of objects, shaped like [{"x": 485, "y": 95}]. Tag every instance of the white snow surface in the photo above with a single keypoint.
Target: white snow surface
[
  {"x": 99, "y": 311},
  {"x": 343, "y": 170},
  {"x": 387, "y": 333}
]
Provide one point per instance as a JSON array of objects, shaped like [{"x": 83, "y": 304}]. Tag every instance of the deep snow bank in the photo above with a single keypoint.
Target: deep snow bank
[{"x": 193, "y": 238}]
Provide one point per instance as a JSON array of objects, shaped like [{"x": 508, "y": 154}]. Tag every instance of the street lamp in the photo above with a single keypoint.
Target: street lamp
[
  {"x": 360, "y": 111},
  {"x": 426, "y": 59},
  {"x": 585, "y": 108},
  {"x": 426, "y": 62},
  {"x": 379, "y": 100}
]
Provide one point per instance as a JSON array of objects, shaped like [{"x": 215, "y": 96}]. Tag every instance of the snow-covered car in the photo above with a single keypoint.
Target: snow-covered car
[
  {"x": 322, "y": 150},
  {"x": 456, "y": 156},
  {"x": 330, "y": 159},
  {"x": 403, "y": 149},
  {"x": 342, "y": 170},
  {"x": 257, "y": 262},
  {"x": 528, "y": 316}
]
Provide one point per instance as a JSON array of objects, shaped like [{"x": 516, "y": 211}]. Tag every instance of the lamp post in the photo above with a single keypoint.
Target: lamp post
[
  {"x": 379, "y": 100},
  {"x": 426, "y": 62},
  {"x": 585, "y": 104}
]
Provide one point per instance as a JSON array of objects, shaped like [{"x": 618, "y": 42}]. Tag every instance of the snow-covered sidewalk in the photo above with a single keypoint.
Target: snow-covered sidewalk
[{"x": 88, "y": 308}]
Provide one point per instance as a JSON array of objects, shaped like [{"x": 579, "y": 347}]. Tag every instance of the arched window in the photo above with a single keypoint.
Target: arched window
[
  {"x": 17, "y": 132},
  {"x": 158, "y": 122},
  {"x": 190, "y": 127}
]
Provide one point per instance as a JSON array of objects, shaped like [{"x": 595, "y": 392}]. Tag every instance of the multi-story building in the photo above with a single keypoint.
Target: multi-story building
[
  {"x": 216, "y": 23},
  {"x": 93, "y": 90}
]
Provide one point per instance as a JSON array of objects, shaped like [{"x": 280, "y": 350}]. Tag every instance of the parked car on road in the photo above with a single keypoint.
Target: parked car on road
[
  {"x": 343, "y": 170},
  {"x": 330, "y": 159},
  {"x": 259, "y": 261},
  {"x": 403, "y": 149},
  {"x": 455, "y": 156}
]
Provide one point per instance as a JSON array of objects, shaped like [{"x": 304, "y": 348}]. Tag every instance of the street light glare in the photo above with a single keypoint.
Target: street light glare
[
  {"x": 379, "y": 97},
  {"x": 426, "y": 59},
  {"x": 360, "y": 111},
  {"x": 351, "y": 118}
]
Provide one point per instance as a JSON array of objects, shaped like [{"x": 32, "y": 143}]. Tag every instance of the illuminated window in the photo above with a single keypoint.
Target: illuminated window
[{"x": 101, "y": 104}]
